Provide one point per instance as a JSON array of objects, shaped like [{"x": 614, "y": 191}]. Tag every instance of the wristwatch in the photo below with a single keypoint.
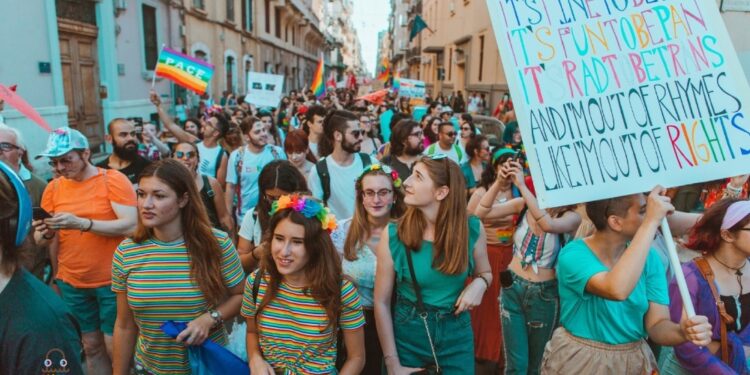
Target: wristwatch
[{"x": 216, "y": 316}]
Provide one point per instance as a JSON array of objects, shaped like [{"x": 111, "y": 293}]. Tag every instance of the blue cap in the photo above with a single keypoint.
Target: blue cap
[{"x": 63, "y": 140}]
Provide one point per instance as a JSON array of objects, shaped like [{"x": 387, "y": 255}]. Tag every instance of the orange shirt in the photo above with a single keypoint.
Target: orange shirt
[{"x": 85, "y": 258}]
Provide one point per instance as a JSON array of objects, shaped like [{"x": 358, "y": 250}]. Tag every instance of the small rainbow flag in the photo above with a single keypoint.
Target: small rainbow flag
[
  {"x": 188, "y": 72},
  {"x": 318, "y": 87},
  {"x": 384, "y": 71}
]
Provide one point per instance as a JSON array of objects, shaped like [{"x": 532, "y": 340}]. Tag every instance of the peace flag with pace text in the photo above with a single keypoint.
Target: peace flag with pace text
[{"x": 186, "y": 71}]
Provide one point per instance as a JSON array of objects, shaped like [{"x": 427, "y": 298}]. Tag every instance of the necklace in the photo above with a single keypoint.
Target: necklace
[{"x": 737, "y": 270}]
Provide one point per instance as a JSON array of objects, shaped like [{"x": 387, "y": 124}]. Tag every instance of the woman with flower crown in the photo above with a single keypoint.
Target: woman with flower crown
[
  {"x": 298, "y": 300},
  {"x": 379, "y": 200}
]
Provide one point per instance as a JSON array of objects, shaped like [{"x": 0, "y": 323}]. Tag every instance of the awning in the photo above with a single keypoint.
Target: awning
[{"x": 462, "y": 40}]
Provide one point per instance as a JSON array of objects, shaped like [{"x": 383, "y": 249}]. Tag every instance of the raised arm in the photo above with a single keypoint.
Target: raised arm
[
  {"x": 176, "y": 130},
  {"x": 618, "y": 283}
]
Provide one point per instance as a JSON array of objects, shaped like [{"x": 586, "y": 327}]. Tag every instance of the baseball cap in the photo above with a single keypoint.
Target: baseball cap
[
  {"x": 446, "y": 109},
  {"x": 63, "y": 140}
]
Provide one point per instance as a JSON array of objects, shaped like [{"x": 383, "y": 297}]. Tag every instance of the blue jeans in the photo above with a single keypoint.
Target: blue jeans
[
  {"x": 451, "y": 335},
  {"x": 529, "y": 314}
]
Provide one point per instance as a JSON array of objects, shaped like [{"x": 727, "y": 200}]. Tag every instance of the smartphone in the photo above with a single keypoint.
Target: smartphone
[
  {"x": 39, "y": 213},
  {"x": 506, "y": 279},
  {"x": 517, "y": 157}
]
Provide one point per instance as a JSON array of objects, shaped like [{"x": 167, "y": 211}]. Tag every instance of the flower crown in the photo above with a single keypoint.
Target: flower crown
[
  {"x": 308, "y": 207},
  {"x": 388, "y": 170}
]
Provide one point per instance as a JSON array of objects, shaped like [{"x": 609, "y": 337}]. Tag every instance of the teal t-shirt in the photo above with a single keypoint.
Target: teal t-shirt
[
  {"x": 595, "y": 318},
  {"x": 438, "y": 289}
]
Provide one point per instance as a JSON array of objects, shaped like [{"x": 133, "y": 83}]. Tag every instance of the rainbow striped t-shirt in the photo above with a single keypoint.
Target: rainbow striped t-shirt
[
  {"x": 294, "y": 336},
  {"x": 156, "y": 277}
]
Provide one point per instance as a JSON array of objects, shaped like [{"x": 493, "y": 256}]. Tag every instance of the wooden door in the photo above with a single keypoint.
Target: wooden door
[{"x": 78, "y": 55}]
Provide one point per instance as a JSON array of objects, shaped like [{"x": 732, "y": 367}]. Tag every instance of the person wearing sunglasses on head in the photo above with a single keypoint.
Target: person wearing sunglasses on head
[
  {"x": 467, "y": 130},
  {"x": 210, "y": 190},
  {"x": 370, "y": 143},
  {"x": 446, "y": 144},
  {"x": 93, "y": 210}
]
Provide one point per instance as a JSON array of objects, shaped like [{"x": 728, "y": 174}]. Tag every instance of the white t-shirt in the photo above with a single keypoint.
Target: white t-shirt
[
  {"x": 343, "y": 194},
  {"x": 252, "y": 164},
  {"x": 314, "y": 148},
  {"x": 250, "y": 228},
  {"x": 210, "y": 159}
]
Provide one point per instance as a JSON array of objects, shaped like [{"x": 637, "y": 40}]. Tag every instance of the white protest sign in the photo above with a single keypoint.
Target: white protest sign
[
  {"x": 411, "y": 88},
  {"x": 616, "y": 96},
  {"x": 264, "y": 90}
]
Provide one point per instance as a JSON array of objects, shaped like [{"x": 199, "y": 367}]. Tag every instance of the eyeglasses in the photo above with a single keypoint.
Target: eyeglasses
[
  {"x": 270, "y": 198},
  {"x": 382, "y": 194},
  {"x": 7, "y": 146},
  {"x": 450, "y": 134},
  {"x": 466, "y": 128},
  {"x": 188, "y": 154},
  {"x": 64, "y": 161},
  {"x": 417, "y": 133}
]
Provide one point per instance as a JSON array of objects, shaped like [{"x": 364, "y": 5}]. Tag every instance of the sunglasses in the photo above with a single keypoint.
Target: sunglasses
[
  {"x": 357, "y": 133},
  {"x": 7, "y": 146},
  {"x": 450, "y": 134},
  {"x": 466, "y": 128},
  {"x": 188, "y": 154}
]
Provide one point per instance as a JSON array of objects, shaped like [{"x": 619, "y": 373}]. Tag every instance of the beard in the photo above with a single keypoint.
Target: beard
[
  {"x": 351, "y": 148},
  {"x": 128, "y": 151},
  {"x": 414, "y": 151}
]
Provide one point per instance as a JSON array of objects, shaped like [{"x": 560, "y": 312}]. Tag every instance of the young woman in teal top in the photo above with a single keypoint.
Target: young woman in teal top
[
  {"x": 437, "y": 244},
  {"x": 613, "y": 293}
]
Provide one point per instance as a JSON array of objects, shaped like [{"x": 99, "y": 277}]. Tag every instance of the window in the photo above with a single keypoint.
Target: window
[
  {"x": 450, "y": 63},
  {"x": 230, "y": 73},
  {"x": 277, "y": 20},
  {"x": 268, "y": 16},
  {"x": 481, "y": 56},
  {"x": 199, "y": 4},
  {"x": 150, "y": 42},
  {"x": 230, "y": 10},
  {"x": 247, "y": 15}
]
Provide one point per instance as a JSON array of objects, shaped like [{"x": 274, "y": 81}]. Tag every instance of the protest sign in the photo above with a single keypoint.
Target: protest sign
[
  {"x": 17, "y": 102},
  {"x": 411, "y": 88},
  {"x": 264, "y": 90},
  {"x": 616, "y": 96}
]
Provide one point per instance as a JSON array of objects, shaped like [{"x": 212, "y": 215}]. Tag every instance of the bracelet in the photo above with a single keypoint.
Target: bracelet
[
  {"x": 91, "y": 225},
  {"x": 486, "y": 282}
]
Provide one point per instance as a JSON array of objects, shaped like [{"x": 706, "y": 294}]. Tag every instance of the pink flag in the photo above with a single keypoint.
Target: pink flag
[{"x": 22, "y": 106}]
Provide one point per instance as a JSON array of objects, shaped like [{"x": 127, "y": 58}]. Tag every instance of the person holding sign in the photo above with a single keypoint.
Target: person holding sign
[
  {"x": 613, "y": 293},
  {"x": 723, "y": 234}
]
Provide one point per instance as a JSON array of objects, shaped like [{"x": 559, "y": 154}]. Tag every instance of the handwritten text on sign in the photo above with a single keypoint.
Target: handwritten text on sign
[{"x": 615, "y": 96}]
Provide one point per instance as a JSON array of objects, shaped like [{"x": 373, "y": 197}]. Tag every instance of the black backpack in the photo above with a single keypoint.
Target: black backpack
[{"x": 325, "y": 177}]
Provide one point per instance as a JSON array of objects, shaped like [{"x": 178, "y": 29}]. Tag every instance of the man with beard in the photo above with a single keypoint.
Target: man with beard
[
  {"x": 245, "y": 165},
  {"x": 124, "y": 158},
  {"x": 407, "y": 143},
  {"x": 332, "y": 179}
]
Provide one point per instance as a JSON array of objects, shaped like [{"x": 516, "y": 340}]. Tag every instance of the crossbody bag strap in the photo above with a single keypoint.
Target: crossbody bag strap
[
  {"x": 705, "y": 269},
  {"x": 421, "y": 308}
]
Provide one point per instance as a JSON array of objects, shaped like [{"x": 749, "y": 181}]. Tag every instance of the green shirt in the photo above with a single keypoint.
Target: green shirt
[
  {"x": 595, "y": 318},
  {"x": 438, "y": 289},
  {"x": 37, "y": 331}
]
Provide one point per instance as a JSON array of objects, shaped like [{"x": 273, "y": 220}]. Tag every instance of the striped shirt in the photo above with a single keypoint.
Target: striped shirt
[
  {"x": 294, "y": 336},
  {"x": 156, "y": 277}
]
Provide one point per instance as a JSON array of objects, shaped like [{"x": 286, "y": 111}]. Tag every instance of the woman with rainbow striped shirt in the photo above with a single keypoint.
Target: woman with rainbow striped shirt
[
  {"x": 298, "y": 299},
  {"x": 175, "y": 267}
]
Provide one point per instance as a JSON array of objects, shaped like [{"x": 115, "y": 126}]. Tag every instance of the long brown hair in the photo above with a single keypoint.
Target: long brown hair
[
  {"x": 359, "y": 229},
  {"x": 323, "y": 268},
  {"x": 451, "y": 245},
  {"x": 200, "y": 241}
]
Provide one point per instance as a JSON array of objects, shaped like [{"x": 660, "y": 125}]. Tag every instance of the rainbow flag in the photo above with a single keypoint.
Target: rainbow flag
[
  {"x": 318, "y": 87},
  {"x": 396, "y": 82},
  {"x": 186, "y": 71},
  {"x": 384, "y": 71}
]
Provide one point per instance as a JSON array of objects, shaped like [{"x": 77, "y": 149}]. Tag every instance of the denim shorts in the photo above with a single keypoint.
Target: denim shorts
[
  {"x": 94, "y": 308},
  {"x": 451, "y": 335}
]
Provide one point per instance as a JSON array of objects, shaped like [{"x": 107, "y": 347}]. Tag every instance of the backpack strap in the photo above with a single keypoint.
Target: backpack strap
[
  {"x": 217, "y": 163},
  {"x": 238, "y": 172},
  {"x": 705, "y": 269},
  {"x": 431, "y": 149},
  {"x": 366, "y": 160},
  {"x": 207, "y": 185},
  {"x": 325, "y": 178},
  {"x": 459, "y": 152}
]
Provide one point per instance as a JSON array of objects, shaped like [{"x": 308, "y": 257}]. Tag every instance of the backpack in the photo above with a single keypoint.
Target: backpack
[
  {"x": 325, "y": 177},
  {"x": 433, "y": 147}
]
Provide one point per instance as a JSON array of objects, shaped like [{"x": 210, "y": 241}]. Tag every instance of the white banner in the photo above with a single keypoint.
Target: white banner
[
  {"x": 411, "y": 88},
  {"x": 616, "y": 96},
  {"x": 264, "y": 90}
]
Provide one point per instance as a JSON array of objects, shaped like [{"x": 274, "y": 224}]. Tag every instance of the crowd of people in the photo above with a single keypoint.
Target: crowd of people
[{"x": 331, "y": 241}]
